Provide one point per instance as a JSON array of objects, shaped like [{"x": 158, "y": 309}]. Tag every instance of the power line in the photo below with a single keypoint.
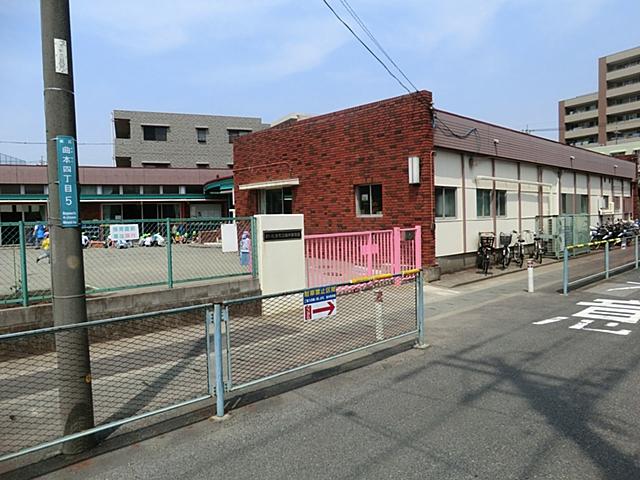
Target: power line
[
  {"x": 360, "y": 22},
  {"x": 366, "y": 46},
  {"x": 16, "y": 142}
]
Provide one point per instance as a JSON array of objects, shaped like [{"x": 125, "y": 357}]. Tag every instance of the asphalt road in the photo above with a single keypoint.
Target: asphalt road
[{"x": 497, "y": 396}]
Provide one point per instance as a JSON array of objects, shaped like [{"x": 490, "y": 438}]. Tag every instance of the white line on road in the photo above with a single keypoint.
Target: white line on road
[{"x": 550, "y": 320}]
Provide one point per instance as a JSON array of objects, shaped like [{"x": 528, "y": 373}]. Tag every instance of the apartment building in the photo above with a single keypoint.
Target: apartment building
[
  {"x": 606, "y": 121},
  {"x": 163, "y": 140}
]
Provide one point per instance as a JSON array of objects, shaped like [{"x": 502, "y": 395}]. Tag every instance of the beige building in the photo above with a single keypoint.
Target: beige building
[{"x": 607, "y": 121}]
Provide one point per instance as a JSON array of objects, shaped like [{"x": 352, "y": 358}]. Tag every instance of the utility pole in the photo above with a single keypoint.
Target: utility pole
[{"x": 67, "y": 266}]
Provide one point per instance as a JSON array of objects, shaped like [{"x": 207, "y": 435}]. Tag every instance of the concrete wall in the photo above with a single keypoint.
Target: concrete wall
[
  {"x": 181, "y": 148},
  {"x": 126, "y": 303}
]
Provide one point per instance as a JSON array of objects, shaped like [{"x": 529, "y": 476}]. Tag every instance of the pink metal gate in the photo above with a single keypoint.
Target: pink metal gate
[{"x": 340, "y": 257}]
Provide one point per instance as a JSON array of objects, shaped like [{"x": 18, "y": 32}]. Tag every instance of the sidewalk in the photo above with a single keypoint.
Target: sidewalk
[{"x": 473, "y": 275}]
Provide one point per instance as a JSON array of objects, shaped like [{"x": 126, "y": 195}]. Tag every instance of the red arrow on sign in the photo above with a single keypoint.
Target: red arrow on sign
[{"x": 329, "y": 309}]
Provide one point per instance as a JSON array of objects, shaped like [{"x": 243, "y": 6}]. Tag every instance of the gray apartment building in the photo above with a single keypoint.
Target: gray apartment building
[
  {"x": 164, "y": 140},
  {"x": 606, "y": 121}
]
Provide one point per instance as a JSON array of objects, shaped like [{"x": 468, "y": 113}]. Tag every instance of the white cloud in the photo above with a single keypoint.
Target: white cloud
[{"x": 157, "y": 26}]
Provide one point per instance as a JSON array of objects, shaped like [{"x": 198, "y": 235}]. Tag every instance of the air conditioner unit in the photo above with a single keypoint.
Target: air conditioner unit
[{"x": 609, "y": 210}]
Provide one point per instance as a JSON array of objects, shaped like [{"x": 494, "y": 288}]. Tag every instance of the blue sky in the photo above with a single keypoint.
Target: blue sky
[{"x": 504, "y": 61}]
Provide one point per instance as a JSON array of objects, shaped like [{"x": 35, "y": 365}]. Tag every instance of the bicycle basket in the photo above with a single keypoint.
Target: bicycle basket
[
  {"x": 505, "y": 239},
  {"x": 487, "y": 239}
]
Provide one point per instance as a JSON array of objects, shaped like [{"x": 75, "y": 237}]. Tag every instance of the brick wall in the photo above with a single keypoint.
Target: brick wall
[{"x": 333, "y": 153}]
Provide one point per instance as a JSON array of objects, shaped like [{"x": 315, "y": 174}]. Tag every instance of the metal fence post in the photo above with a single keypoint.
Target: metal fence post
[
  {"x": 565, "y": 271},
  {"x": 420, "y": 309},
  {"x": 636, "y": 248},
  {"x": 606, "y": 260},
  {"x": 254, "y": 248},
  {"x": 396, "y": 252},
  {"x": 24, "y": 288},
  {"x": 208, "y": 320},
  {"x": 217, "y": 339},
  {"x": 169, "y": 254}
]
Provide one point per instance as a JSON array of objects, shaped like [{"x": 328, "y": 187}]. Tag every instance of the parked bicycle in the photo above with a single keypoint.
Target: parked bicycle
[
  {"x": 504, "y": 254},
  {"x": 539, "y": 248},
  {"x": 485, "y": 251},
  {"x": 517, "y": 248}
]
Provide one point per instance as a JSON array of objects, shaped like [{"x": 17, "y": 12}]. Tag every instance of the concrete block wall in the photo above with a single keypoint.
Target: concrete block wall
[
  {"x": 181, "y": 148},
  {"x": 331, "y": 154}
]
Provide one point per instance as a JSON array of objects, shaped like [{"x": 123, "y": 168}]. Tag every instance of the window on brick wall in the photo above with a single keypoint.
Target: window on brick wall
[
  {"x": 276, "y": 201},
  {"x": 445, "y": 202},
  {"x": 369, "y": 200}
]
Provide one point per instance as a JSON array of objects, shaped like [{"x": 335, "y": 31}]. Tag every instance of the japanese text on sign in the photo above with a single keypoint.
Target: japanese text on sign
[
  {"x": 319, "y": 303},
  {"x": 124, "y": 232},
  {"x": 67, "y": 180}
]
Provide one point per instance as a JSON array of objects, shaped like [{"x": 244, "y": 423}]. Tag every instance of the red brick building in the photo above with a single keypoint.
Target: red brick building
[
  {"x": 323, "y": 159},
  {"x": 349, "y": 171}
]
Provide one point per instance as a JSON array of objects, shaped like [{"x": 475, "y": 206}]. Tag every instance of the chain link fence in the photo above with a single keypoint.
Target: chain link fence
[
  {"x": 136, "y": 365},
  {"x": 602, "y": 260},
  {"x": 129, "y": 254},
  {"x": 272, "y": 335},
  {"x": 60, "y": 384}
]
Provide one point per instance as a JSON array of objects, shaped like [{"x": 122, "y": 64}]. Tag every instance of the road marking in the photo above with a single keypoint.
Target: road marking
[
  {"x": 550, "y": 320},
  {"x": 636, "y": 287},
  {"x": 613, "y": 312}
]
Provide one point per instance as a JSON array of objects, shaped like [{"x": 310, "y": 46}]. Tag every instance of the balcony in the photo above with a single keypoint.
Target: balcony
[
  {"x": 581, "y": 116},
  {"x": 625, "y": 125},
  {"x": 624, "y": 107},
  {"x": 581, "y": 100},
  {"x": 580, "y": 132},
  {"x": 623, "y": 72},
  {"x": 626, "y": 90}
]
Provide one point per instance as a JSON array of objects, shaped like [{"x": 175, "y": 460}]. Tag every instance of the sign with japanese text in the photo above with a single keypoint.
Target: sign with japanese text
[
  {"x": 67, "y": 181},
  {"x": 124, "y": 232},
  {"x": 319, "y": 303}
]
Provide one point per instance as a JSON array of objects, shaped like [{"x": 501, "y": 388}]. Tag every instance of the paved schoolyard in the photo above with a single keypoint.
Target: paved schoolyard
[{"x": 117, "y": 268}]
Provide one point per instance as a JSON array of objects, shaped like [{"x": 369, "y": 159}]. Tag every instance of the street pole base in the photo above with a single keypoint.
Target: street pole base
[
  {"x": 421, "y": 346},
  {"x": 215, "y": 418}
]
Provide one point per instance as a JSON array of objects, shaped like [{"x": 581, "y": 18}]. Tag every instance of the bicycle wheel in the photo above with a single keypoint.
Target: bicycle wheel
[
  {"x": 506, "y": 258},
  {"x": 485, "y": 263},
  {"x": 538, "y": 253},
  {"x": 519, "y": 256}
]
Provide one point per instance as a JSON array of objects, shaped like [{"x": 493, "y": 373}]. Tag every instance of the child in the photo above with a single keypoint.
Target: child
[
  {"x": 245, "y": 249},
  {"x": 45, "y": 249}
]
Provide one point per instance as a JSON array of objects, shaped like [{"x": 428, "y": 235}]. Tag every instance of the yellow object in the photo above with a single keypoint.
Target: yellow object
[{"x": 45, "y": 244}]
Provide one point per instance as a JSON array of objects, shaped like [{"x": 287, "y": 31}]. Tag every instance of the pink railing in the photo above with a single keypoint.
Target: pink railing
[{"x": 340, "y": 257}]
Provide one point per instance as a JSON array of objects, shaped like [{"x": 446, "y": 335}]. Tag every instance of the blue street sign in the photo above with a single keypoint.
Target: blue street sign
[{"x": 68, "y": 181}]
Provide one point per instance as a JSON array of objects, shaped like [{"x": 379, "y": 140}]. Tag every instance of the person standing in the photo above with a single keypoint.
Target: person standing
[
  {"x": 40, "y": 231},
  {"x": 245, "y": 249},
  {"x": 45, "y": 249}
]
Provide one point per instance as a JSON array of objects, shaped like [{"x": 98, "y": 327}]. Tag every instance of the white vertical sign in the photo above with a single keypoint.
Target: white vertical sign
[
  {"x": 60, "y": 55},
  {"x": 229, "y": 237}
]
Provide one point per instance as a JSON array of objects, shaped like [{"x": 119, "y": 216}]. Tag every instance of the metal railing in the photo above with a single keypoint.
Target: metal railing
[
  {"x": 269, "y": 336},
  {"x": 124, "y": 254},
  {"x": 142, "y": 365},
  {"x": 338, "y": 257},
  {"x": 603, "y": 259}
]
